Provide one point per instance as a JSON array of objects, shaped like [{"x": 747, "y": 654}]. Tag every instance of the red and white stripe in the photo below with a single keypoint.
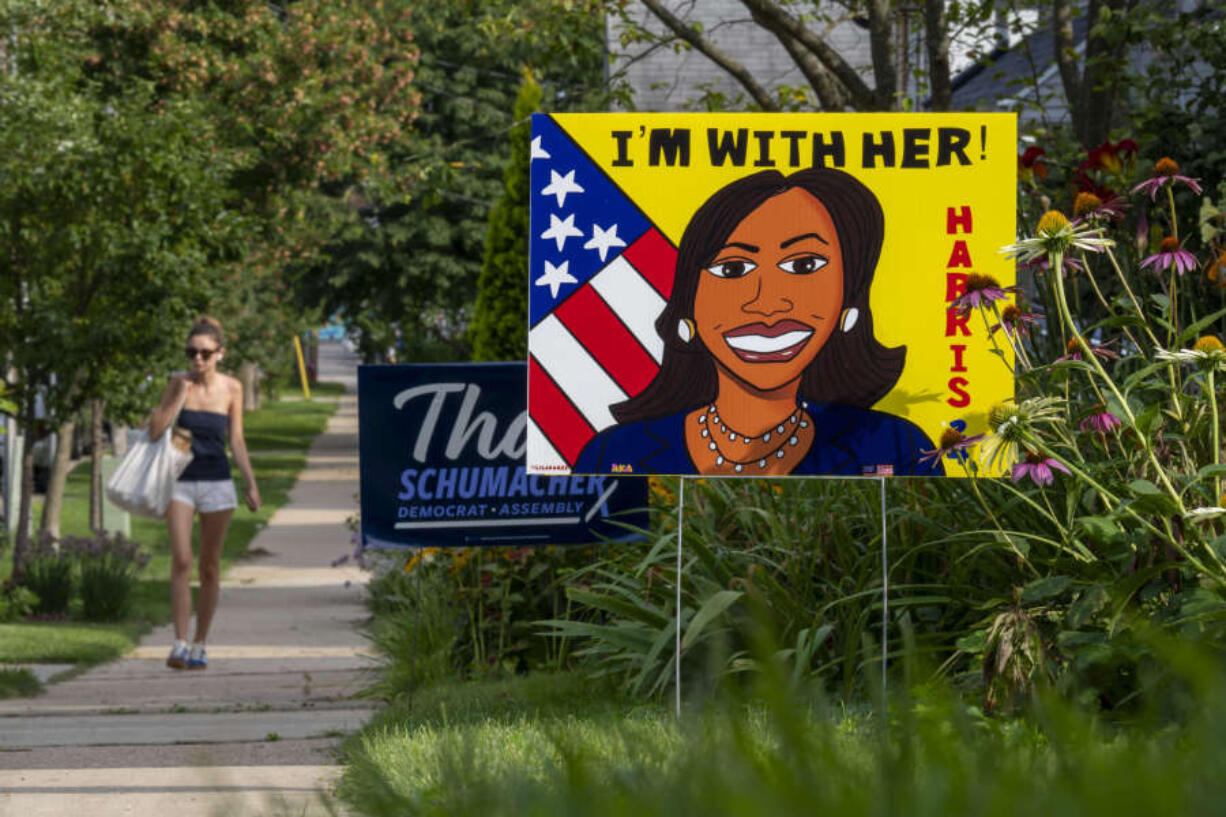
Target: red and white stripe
[{"x": 597, "y": 348}]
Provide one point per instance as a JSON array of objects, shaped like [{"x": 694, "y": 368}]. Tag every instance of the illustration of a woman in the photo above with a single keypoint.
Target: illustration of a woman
[{"x": 770, "y": 365}]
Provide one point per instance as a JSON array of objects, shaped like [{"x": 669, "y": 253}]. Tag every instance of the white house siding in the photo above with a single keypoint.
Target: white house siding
[{"x": 664, "y": 79}]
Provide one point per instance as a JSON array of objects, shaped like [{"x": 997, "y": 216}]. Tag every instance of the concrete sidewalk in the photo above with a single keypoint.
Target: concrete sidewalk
[{"x": 256, "y": 732}]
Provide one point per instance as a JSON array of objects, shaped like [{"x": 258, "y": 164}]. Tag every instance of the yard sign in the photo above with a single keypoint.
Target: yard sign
[{"x": 764, "y": 294}]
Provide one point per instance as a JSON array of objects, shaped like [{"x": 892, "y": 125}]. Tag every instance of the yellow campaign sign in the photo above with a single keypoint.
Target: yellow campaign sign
[{"x": 704, "y": 297}]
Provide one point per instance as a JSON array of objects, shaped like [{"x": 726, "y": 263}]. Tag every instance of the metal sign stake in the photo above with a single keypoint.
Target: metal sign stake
[
  {"x": 680, "y": 529},
  {"x": 885, "y": 591}
]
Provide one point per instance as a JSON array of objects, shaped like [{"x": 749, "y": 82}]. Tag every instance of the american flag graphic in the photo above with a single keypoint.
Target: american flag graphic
[{"x": 600, "y": 274}]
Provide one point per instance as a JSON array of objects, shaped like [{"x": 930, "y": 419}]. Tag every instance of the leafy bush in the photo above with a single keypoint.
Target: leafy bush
[
  {"x": 467, "y": 612},
  {"x": 49, "y": 572},
  {"x": 1112, "y": 517},
  {"x": 16, "y": 601},
  {"x": 109, "y": 567}
]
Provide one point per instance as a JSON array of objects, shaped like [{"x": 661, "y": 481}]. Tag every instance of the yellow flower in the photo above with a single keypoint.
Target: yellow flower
[
  {"x": 1208, "y": 343},
  {"x": 1052, "y": 222}
]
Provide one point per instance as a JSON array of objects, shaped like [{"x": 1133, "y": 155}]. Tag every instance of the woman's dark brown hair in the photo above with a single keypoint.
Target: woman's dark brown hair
[
  {"x": 853, "y": 368},
  {"x": 208, "y": 327}
]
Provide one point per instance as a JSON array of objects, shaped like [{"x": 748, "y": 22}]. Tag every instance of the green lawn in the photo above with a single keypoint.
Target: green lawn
[
  {"x": 551, "y": 744},
  {"x": 283, "y": 427}
]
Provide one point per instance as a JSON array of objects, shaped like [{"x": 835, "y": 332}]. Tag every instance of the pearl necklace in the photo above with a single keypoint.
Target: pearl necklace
[{"x": 785, "y": 432}]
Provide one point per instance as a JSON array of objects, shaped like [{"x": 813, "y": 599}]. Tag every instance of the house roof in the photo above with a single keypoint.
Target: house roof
[{"x": 1002, "y": 74}]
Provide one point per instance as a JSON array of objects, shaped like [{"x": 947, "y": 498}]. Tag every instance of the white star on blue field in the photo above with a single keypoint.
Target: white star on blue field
[{"x": 572, "y": 198}]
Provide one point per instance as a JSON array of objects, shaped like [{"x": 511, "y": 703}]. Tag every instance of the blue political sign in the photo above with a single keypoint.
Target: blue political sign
[{"x": 441, "y": 450}]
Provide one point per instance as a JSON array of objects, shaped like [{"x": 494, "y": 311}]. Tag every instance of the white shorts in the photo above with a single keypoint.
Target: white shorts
[{"x": 206, "y": 496}]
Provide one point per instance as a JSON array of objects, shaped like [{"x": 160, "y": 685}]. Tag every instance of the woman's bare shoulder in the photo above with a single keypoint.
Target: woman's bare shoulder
[{"x": 234, "y": 386}]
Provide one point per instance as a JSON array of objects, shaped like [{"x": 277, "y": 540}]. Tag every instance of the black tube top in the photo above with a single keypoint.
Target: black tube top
[{"x": 209, "y": 429}]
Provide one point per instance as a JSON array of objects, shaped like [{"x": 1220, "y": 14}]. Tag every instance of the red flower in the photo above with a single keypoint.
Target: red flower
[
  {"x": 1029, "y": 166},
  {"x": 1110, "y": 158}
]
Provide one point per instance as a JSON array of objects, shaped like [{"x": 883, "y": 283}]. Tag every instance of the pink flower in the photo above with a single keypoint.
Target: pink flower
[
  {"x": 1068, "y": 264},
  {"x": 1072, "y": 351},
  {"x": 981, "y": 290},
  {"x": 1100, "y": 421},
  {"x": 1089, "y": 207},
  {"x": 1165, "y": 170},
  {"x": 1038, "y": 468},
  {"x": 1169, "y": 255},
  {"x": 1014, "y": 321},
  {"x": 952, "y": 441}
]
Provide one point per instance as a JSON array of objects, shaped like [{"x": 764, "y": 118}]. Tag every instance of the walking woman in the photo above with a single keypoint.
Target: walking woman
[{"x": 209, "y": 404}]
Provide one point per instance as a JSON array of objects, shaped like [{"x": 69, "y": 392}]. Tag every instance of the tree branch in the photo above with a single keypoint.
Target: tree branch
[
  {"x": 823, "y": 83},
  {"x": 692, "y": 36},
  {"x": 772, "y": 16}
]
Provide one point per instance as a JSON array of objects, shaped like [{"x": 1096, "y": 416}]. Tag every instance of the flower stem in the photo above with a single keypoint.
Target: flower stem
[
  {"x": 1170, "y": 198},
  {"x": 1019, "y": 351},
  {"x": 1217, "y": 442},
  {"x": 988, "y": 329},
  {"x": 1062, "y": 304},
  {"x": 1173, "y": 309},
  {"x": 1135, "y": 304}
]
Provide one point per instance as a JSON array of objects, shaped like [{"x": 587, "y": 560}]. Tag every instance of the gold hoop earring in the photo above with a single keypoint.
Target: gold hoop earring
[{"x": 685, "y": 330}]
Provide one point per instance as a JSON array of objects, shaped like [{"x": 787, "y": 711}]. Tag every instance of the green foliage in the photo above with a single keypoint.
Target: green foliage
[
  {"x": 18, "y": 683},
  {"x": 1180, "y": 89},
  {"x": 796, "y": 564},
  {"x": 471, "y": 612},
  {"x": 401, "y": 269},
  {"x": 16, "y": 601},
  {"x": 509, "y": 749},
  {"x": 61, "y": 643},
  {"x": 1010, "y": 585},
  {"x": 49, "y": 575},
  {"x": 500, "y": 317},
  {"x": 110, "y": 566}
]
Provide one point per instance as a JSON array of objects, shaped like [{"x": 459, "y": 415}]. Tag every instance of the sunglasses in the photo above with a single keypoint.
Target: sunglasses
[{"x": 203, "y": 354}]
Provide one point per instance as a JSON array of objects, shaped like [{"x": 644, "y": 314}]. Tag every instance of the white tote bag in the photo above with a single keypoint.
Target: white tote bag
[{"x": 146, "y": 475}]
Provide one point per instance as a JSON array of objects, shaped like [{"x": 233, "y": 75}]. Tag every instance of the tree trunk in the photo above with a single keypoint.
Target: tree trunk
[
  {"x": 21, "y": 542},
  {"x": 53, "y": 506},
  {"x": 97, "y": 405},
  {"x": 1066, "y": 60},
  {"x": 249, "y": 376},
  {"x": 936, "y": 43},
  {"x": 1102, "y": 78},
  {"x": 881, "y": 44}
]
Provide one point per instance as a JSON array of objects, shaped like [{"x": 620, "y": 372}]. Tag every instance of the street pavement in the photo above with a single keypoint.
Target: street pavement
[{"x": 257, "y": 732}]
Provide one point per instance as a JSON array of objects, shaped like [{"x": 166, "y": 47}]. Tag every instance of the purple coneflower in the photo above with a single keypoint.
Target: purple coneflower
[
  {"x": 1088, "y": 207},
  {"x": 1171, "y": 255},
  {"x": 1014, "y": 321},
  {"x": 1068, "y": 264},
  {"x": 981, "y": 290},
  {"x": 1165, "y": 170},
  {"x": 1100, "y": 421},
  {"x": 1072, "y": 351},
  {"x": 951, "y": 440},
  {"x": 1038, "y": 468}
]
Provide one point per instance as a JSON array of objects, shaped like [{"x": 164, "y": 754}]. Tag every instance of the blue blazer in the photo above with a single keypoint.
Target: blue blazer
[{"x": 847, "y": 441}]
